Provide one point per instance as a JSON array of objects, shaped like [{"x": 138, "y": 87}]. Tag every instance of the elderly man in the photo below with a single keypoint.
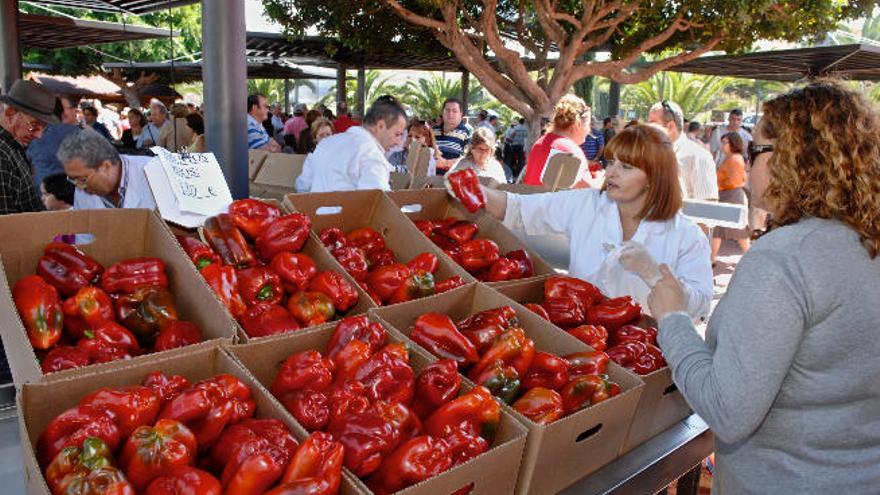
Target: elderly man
[
  {"x": 158, "y": 120},
  {"x": 258, "y": 138},
  {"x": 26, "y": 110},
  {"x": 696, "y": 168},
  {"x": 42, "y": 151},
  {"x": 102, "y": 177},
  {"x": 452, "y": 135},
  {"x": 734, "y": 124},
  {"x": 355, "y": 159}
]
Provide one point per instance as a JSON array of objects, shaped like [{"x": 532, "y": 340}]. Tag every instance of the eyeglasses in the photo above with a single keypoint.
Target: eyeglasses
[
  {"x": 669, "y": 108},
  {"x": 80, "y": 182},
  {"x": 35, "y": 125},
  {"x": 757, "y": 149}
]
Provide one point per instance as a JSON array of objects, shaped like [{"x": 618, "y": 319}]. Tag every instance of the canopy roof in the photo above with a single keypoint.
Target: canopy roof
[
  {"x": 40, "y": 31},
  {"x": 859, "y": 62},
  {"x": 192, "y": 71},
  {"x": 130, "y": 6}
]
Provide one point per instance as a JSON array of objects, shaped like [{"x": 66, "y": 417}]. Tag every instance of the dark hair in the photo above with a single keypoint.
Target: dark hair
[
  {"x": 92, "y": 110},
  {"x": 58, "y": 186},
  {"x": 252, "y": 100},
  {"x": 737, "y": 112},
  {"x": 693, "y": 126},
  {"x": 522, "y": 120},
  {"x": 456, "y": 101},
  {"x": 312, "y": 115},
  {"x": 142, "y": 120},
  {"x": 329, "y": 114},
  {"x": 606, "y": 120},
  {"x": 736, "y": 142},
  {"x": 387, "y": 109},
  {"x": 196, "y": 123}
]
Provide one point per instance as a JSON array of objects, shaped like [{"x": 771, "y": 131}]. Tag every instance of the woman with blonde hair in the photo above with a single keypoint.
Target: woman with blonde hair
[
  {"x": 569, "y": 128},
  {"x": 787, "y": 377},
  {"x": 480, "y": 156}
]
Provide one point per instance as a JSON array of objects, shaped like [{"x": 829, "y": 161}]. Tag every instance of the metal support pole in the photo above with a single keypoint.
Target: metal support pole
[
  {"x": 10, "y": 58},
  {"x": 225, "y": 77},
  {"x": 614, "y": 99},
  {"x": 340, "y": 85},
  {"x": 287, "y": 96},
  {"x": 465, "y": 90},
  {"x": 362, "y": 92}
]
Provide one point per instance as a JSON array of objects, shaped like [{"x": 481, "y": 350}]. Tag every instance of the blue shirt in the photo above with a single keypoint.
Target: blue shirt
[
  {"x": 452, "y": 144},
  {"x": 41, "y": 152},
  {"x": 594, "y": 141},
  {"x": 257, "y": 135},
  {"x": 102, "y": 130}
]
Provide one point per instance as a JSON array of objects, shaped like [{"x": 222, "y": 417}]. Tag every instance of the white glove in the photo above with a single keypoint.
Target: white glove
[{"x": 636, "y": 259}]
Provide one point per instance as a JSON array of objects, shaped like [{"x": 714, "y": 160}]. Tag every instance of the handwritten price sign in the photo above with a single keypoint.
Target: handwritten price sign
[{"x": 196, "y": 181}]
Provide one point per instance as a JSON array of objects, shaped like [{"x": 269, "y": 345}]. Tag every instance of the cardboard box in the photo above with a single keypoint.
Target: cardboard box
[
  {"x": 280, "y": 169},
  {"x": 570, "y": 448},
  {"x": 118, "y": 234},
  {"x": 435, "y": 204},
  {"x": 355, "y": 209},
  {"x": 255, "y": 161},
  {"x": 491, "y": 473},
  {"x": 38, "y": 404},
  {"x": 661, "y": 404}
]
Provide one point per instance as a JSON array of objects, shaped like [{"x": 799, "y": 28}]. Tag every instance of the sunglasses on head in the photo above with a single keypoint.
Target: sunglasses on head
[{"x": 757, "y": 149}]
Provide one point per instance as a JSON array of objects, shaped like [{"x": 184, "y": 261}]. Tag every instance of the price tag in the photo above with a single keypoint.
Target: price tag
[{"x": 196, "y": 181}]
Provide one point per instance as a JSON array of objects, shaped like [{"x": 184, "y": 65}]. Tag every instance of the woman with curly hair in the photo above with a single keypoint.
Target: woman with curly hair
[{"x": 788, "y": 375}]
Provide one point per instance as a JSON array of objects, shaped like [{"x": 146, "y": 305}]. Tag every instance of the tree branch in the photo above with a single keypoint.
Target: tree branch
[
  {"x": 554, "y": 31},
  {"x": 413, "y": 18}
]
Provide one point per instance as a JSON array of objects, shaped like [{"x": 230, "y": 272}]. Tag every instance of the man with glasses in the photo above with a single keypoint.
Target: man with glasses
[
  {"x": 26, "y": 110},
  {"x": 42, "y": 151}
]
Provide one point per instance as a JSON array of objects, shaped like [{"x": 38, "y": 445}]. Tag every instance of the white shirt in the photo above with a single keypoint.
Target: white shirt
[
  {"x": 350, "y": 161},
  {"x": 133, "y": 187},
  {"x": 493, "y": 169},
  {"x": 715, "y": 142},
  {"x": 592, "y": 223},
  {"x": 696, "y": 168}
]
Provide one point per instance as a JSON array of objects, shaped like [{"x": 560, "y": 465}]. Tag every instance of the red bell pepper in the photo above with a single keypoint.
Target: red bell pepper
[
  {"x": 288, "y": 233},
  {"x": 252, "y": 216},
  {"x": 437, "y": 333},
  {"x": 502, "y": 380},
  {"x": 333, "y": 238},
  {"x": 345, "y": 398},
  {"x": 109, "y": 341},
  {"x": 311, "y": 408},
  {"x": 353, "y": 260},
  {"x": 349, "y": 359},
  {"x": 166, "y": 387},
  {"x": 524, "y": 261},
  {"x": 614, "y": 313},
  {"x": 560, "y": 286},
  {"x": 88, "y": 470},
  {"x": 464, "y": 445},
  {"x": 367, "y": 438},
  {"x": 594, "y": 336},
  {"x": 223, "y": 280},
  {"x": 303, "y": 370},
  {"x": 448, "y": 284},
  {"x": 64, "y": 357},
  {"x": 512, "y": 348},
  {"x": 427, "y": 262},
  {"x": 311, "y": 308},
  {"x": 541, "y": 405},
  {"x": 176, "y": 334},
  {"x": 72, "y": 427},
  {"x": 67, "y": 268},
  {"x": 386, "y": 280},
  {"x": 252, "y": 455},
  {"x": 357, "y": 328},
  {"x": 199, "y": 252},
  {"x": 416, "y": 460},
  {"x": 436, "y": 385},
  {"x": 132, "y": 274},
  {"x": 449, "y": 246},
  {"x": 228, "y": 241},
  {"x": 380, "y": 257},
  {"x": 418, "y": 284},
  {"x": 475, "y": 411},
  {"x": 478, "y": 254},
  {"x": 259, "y": 284},
  {"x": 404, "y": 420},
  {"x": 130, "y": 407},
  {"x": 343, "y": 294},
  {"x": 268, "y": 319},
  {"x": 538, "y": 309},
  {"x": 587, "y": 390},
  {"x": 366, "y": 238},
  {"x": 460, "y": 231},
  {"x": 427, "y": 227},
  {"x": 564, "y": 311},
  {"x": 145, "y": 311},
  {"x": 150, "y": 451},
  {"x": 638, "y": 357},
  {"x": 482, "y": 328},
  {"x": 38, "y": 305},
  {"x": 208, "y": 406},
  {"x": 316, "y": 468},
  {"x": 547, "y": 371},
  {"x": 503, "y": 269},
  {"x": 185, "y": 480},
  {"x": 387, "y": 377},
  {"x": 587, "y": 363},
  {"x": 87, "y": 308},
  {"x": 629, "y": 333},
  {"x": 465, "y": 185},
  {"x": 295, "y": 269}
]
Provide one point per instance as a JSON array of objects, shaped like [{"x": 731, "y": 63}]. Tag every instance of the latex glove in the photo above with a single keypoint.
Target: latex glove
[
  {"x": 667, "y": 296},
  {"x": 635, "y": 258}
]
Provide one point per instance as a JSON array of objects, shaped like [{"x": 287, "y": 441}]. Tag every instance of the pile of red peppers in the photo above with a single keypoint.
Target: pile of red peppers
[
  {"x": 611, "y": 325},
  {"x": 480, "y": 257},
  {"x": 495, "y": 353},
  {"x": 365, "y": 256},
  {"x": 397, "y": 427},
  {"x": 77, "y": 313},
  {"x": 170, "y": 436},
  {"x": 255, "y": 267}
]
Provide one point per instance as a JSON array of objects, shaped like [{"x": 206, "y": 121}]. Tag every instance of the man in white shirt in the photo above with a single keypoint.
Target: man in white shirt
[
  {"x": 355, "y": 159},
  {"x": 102, "y": 177},
  {"x": 696, "y": 167},
  {"x": 158, "y": 119},
  {"x": 734, "y": 124}
]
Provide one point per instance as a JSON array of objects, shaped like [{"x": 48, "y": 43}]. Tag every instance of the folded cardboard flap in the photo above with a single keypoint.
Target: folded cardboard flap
[
  {"x": 490, "y": 473},
  {"x": 280, "y": 169},
  {"x": 39, "y": 403},
  {"x": 255, "y": 161}
]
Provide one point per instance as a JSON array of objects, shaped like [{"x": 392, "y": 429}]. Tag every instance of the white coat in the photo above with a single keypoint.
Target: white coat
[{"x": 350, "y": 161}]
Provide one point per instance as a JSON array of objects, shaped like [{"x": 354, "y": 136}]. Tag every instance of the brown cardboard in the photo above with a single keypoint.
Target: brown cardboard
[
  {"x": 399, "y": 180},
  {"x": 119, "y": 234},
  {"x": 661, "y": 404},
  {"x": 38, "y": 404},
  {"x": 280, "y": 169},
  {"x": 435, "y": 204},
  {"x": 561, "y": 171},
  {"x": 255, "y": 161},
  {"x": 355, "y": 209},
  {"x": 492, "y": 473},
  {"x": 554, "y": 458}
]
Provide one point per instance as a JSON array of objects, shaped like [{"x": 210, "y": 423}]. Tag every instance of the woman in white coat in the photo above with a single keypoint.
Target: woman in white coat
[{"x": 618, "y": 235}]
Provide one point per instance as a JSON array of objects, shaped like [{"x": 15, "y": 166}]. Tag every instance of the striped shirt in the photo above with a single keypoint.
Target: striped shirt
[
  {"x": 452, "y": 143},
  {"x": 257, "y": 136},
  {"x": 592, "y": 143}
]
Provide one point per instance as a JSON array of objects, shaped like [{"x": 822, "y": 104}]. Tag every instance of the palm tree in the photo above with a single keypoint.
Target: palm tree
[
  {"x": 375, "y": 85},
  {"x": 694, "y": 93},
  {"x": 273, "y": 89},
  {"x": 426, "y": 96}
]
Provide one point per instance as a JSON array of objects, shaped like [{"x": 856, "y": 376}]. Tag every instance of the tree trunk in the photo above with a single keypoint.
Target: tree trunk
[{"x": 131, "y": 97}]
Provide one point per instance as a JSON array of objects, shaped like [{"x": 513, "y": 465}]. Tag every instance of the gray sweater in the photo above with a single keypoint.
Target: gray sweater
[{"x": 789, "y": 376}]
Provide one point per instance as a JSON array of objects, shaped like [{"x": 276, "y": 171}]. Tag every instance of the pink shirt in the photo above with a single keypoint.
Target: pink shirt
[{"x": 295, "y": 125}]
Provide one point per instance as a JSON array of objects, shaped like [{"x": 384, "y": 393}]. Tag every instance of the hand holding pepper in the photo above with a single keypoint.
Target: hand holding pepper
[{"x": 464, "y": 185}]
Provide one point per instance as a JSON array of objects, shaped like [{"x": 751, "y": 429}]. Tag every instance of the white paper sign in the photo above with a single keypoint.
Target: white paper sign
[{"x": 196, "y": 181}]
